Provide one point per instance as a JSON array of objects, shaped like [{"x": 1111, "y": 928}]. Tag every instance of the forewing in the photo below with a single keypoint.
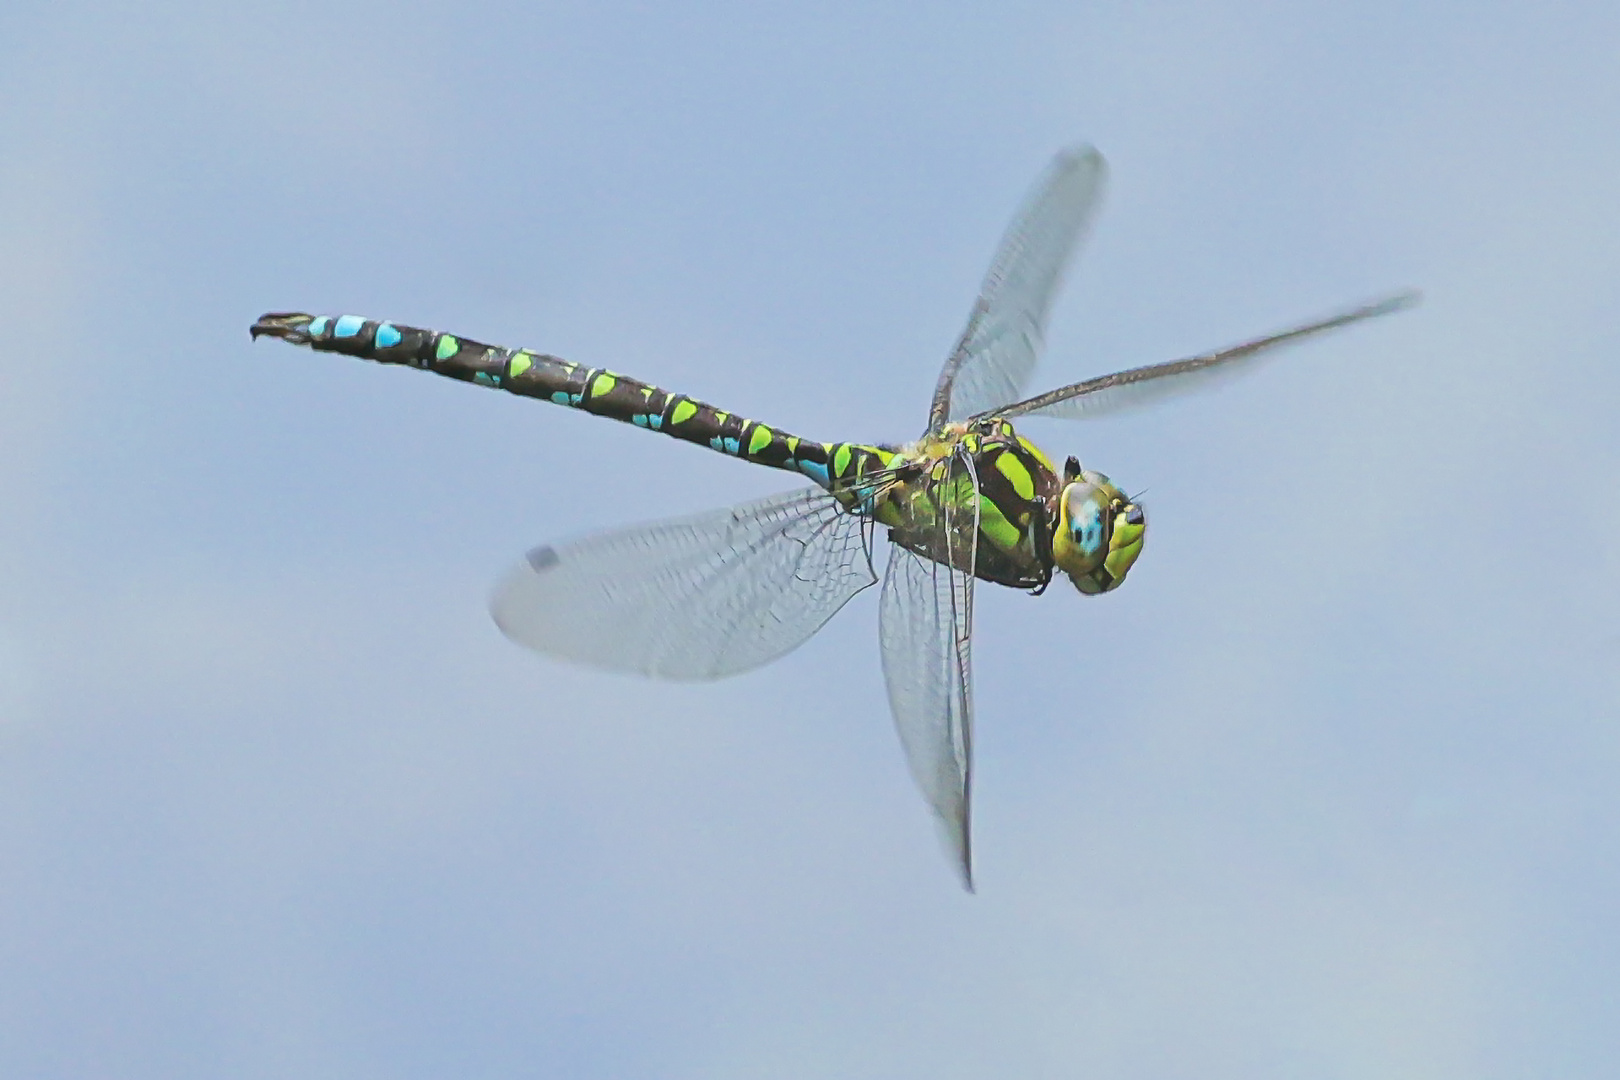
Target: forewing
[
  {"x": 697, "y": 597},
  {"x": 926, "y": 626},
  {"x": 1004, "y": 335},
  {"x": 1124, "y": 390}
]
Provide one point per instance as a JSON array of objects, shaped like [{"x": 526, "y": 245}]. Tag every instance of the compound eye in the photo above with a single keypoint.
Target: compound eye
[{"x": 1133, "y": 516}]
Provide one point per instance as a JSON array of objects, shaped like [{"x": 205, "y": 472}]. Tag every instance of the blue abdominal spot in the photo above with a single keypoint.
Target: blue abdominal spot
[{"x": 814, "y": 471}]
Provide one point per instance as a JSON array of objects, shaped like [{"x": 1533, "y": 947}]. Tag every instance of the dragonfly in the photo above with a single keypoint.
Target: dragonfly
[{"x": 722, "y": 592}]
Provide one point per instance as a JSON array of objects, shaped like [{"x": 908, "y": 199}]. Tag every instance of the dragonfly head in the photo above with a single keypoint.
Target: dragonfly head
[{"x": 1099, "y": 531}]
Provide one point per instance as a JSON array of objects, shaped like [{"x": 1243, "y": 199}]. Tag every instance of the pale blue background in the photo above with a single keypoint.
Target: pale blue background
[{"x": 1328, "y": 790}]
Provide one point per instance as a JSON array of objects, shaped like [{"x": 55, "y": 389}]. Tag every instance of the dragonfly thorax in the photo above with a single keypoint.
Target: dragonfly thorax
[
  {"x": 978, "y": 473},
  {"x": 1098, "y": 533}
]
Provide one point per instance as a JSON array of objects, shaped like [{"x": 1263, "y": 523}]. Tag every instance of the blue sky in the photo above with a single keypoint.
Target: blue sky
[{"x": 1326, "y": 790}]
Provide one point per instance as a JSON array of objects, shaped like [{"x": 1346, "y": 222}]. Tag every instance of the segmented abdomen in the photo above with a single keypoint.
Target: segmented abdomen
[{"x": 595, "y": 390}]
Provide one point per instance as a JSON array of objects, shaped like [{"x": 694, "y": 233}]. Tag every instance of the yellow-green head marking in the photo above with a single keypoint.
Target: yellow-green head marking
[{"x": 1099, "y": 531}]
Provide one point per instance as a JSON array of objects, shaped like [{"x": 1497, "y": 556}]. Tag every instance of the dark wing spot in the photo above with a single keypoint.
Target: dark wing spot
[{"x": 542, "y": 559}]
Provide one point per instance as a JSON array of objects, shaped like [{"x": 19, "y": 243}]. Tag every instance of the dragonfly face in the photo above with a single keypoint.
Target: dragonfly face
[{"x": 1099, "y": 531}]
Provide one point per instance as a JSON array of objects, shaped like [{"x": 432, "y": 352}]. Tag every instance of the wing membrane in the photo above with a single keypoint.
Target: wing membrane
[
  {"x": 1004, "y": 335},
  {"x": 1110, "y": 394},
  {"x": 698, "y": 597},
  {"x": 926, "y": 626}
]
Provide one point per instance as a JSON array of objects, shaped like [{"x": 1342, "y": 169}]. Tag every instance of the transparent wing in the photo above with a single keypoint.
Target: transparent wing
[
  {"x": 1004, "y": 335},
  {"x": 698, "y": 597},
  {"x": 926, "y": 626},
  {"x": 1141, "y": 386}
]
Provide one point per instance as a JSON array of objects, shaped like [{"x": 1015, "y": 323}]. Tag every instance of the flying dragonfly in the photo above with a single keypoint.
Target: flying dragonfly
[{"x": 722, "y": 592}]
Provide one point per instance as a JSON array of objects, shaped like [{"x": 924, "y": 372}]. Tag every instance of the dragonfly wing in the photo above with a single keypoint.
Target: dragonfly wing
[
  {"x": 697, "y": 597},
  {"x": 926, "y": 626},
  {"x": 1124, "y": 390},
  {"x": 1004, "y": 335}
]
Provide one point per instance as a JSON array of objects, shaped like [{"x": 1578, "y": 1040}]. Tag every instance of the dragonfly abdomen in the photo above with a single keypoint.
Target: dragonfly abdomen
[{"x": 594, "y": 390}]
